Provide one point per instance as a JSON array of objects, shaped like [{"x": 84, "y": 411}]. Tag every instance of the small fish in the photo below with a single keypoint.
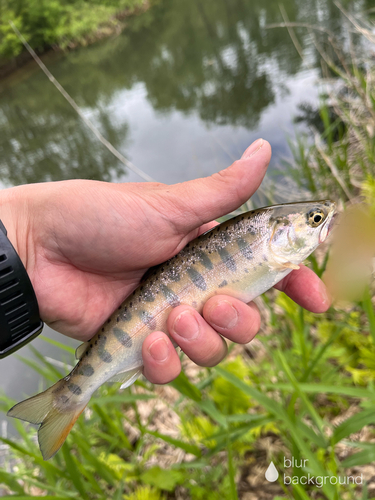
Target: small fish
[{"x": 242, "y": 257}]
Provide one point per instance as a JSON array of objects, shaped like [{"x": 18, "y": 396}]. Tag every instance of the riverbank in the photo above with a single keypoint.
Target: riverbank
[{"x": 61, "y": 27}]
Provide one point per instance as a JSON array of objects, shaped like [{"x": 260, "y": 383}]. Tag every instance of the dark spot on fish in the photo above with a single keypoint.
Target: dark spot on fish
[
  {"x": 126, "y": 315},
  {"x": 173, "y": 275},
  {"x": 64, "y": 399},
  {"x": 148, "y": 296},
  {"x": 123, "y": 337},
  {"x": 117, "y": 319},
  {"x": 225, "y": 237},
  {"x": 170, "y": 296},
  {"x": 102, "y": 329},
  {"x": 75, "y": 389},
  {"x": 223, "y": 283},
  {"x": 59, "y": 387},
  {"x": 103, "y": 354},
  {"x": 251, "y": 230},
  {"x": 86, "y": 370},
  {"x": 204, "y": 258},
  {"x": 108, "y": 320},
  {"x": 148, "y": 319},
  {"x": 260, "y": 264},
  {"x": 265, "y": 258},
  {"x": 227, "y": 259},
  {"x": 245, "y": 249},
  {"x": 197, "y": 278},
  {"x": 246, "y": 270}
]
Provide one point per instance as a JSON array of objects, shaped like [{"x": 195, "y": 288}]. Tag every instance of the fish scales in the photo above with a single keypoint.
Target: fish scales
[
  {"x": 205, "y": 257},
  {"x": 242, "y": 257}
]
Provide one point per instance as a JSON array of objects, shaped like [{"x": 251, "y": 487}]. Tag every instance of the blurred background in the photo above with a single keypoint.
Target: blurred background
[{"x": 181, "y": 89}]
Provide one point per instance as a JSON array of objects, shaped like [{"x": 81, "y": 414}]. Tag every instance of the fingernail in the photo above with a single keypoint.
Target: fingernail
[
  {"x": 223, "y": 315},
  {"x": 186, "y": 326},
  {"x": 253, "y": 148},
  {"x": 159, "y": 350}
]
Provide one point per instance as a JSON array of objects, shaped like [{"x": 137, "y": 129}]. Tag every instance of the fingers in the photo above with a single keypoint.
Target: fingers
[
  {"x": 203, "y": 200},
  {"x": 160, "y": 359},
  {"x": 306, "y": 289},
  {"x": 200, "y": 338}
]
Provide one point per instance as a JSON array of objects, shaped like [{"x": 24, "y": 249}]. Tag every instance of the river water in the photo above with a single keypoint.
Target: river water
[{"x": 181, "y": 92}]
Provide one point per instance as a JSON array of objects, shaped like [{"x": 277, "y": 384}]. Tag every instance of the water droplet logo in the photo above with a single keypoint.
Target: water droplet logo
[{"x": 271, "y": 473}]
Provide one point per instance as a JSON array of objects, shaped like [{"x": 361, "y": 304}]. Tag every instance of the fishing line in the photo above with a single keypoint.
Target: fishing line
[{"x": 75, "y": 106}]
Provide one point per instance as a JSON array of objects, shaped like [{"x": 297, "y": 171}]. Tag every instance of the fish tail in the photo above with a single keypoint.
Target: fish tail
[{"x": 56, "y": 419}]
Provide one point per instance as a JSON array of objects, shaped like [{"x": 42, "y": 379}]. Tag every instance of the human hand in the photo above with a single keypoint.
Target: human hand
[{"x": 86, "y": 245}]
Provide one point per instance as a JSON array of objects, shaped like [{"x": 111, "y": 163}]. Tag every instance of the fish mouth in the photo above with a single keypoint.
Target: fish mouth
[{"x": 328, "y": 225}]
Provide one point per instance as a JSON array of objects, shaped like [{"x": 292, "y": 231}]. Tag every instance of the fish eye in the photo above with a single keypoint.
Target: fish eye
[{"x": 315, "y": 217}]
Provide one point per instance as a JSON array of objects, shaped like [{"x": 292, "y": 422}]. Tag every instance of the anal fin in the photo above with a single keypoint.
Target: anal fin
[{"x": 127, "y": 377}]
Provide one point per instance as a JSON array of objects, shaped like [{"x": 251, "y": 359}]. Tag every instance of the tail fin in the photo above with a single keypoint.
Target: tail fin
[{"x": 56, "y": 423}]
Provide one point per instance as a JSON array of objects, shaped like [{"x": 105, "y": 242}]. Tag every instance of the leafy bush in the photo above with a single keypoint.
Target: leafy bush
[{"x": 45, "y": 23}]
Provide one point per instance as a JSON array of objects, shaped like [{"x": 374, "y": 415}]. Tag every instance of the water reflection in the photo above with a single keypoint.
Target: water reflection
[{"x": 214, "y": 60}]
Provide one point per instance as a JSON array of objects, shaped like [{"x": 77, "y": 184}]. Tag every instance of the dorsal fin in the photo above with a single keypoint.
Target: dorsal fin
[{"x": 81, "y": 349}]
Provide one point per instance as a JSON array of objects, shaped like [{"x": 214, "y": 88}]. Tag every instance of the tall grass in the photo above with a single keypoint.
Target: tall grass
[{"x": 304, "y": 390}]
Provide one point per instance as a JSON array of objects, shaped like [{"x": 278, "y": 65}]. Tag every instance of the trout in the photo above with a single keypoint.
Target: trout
[{"x": 242, "y": 257}]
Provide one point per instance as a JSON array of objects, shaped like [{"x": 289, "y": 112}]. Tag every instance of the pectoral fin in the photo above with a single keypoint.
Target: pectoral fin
[
  {"x": 81, "y": 349},
  {"x": 289, "y": 265}
]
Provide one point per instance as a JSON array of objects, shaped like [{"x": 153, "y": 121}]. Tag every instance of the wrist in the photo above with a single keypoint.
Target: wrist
[
  {"x": 19, "y": 312},
  {"x": 14, "y": 214}
]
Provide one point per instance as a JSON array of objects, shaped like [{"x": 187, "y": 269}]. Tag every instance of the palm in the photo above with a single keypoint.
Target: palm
[{"x": 96, "y": 246}]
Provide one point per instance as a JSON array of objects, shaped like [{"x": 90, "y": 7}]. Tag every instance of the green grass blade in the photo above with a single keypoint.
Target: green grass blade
[
  {"x": 231, "y": 472},
  {"x": 268, "y": 403},
  {"x": 121, "y": 398},
  {"x": 189, "y": 448},
  {"x": 71, "y": 469},
  {"x": 368, "y": 307},
  {"x": 183, "y": 385},
  {"x": 209, "y": 407},
  {"x": 64, "y": 347},
  {"x": 356, "y": 392},
  {"x": 11, "y": 482},
  {"x": 354, "y": 424},
  {"x": 313, "y": 413},
  {"x": 361, "y": 458}
]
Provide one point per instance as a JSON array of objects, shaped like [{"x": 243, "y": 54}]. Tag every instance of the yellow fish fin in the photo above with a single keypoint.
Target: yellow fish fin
[
  {"x": 56, "y": 423},
  {"x": 81, "y": 349},
  {"x": 127, "y": 377},
  {"x": 55, "y": 429},
  {"x": 289, "y": 265}
]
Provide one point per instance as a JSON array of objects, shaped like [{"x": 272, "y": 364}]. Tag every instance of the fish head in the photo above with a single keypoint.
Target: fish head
[{"x": 296, "y": 229}]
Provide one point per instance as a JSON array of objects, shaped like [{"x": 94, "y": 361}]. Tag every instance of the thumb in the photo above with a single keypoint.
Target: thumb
[{"x": 203, "y": 200}]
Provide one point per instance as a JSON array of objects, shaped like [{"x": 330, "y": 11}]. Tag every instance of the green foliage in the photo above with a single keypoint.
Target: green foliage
[{"x": 45, "y": 23}]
